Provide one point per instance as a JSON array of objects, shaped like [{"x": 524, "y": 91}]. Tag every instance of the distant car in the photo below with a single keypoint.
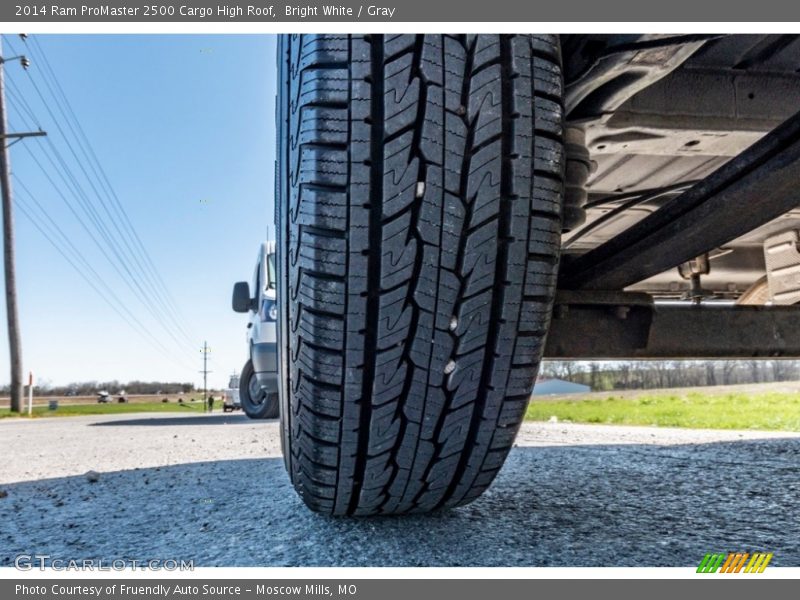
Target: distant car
[
  {"x": 103, "y": 397},
  {"x": 258, "y": 382},
  {"x": 230, "y": 396}
]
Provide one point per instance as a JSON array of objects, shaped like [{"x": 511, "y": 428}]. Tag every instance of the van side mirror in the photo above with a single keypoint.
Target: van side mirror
[{"x": 242, "y": 302}]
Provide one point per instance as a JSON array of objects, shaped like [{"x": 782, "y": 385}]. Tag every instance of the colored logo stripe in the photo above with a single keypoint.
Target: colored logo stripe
[
  {"x": 710, "y": 563},
  {"x": 734, "y": 562},
  {"x": 758, "y": 563},
  {"x": 741, "y": 562}
]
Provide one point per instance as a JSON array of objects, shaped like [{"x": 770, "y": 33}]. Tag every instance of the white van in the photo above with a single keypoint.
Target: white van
[
  {"x": 258, "y": 382},
  {"x": 230, "y": 395}
]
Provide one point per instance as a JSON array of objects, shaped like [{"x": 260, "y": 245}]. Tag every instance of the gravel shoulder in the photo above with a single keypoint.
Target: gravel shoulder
[{"x": 212, "y": 488}]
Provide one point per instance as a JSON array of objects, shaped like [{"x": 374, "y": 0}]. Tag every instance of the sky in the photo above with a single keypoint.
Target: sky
[{"x": 183, "y": 128}]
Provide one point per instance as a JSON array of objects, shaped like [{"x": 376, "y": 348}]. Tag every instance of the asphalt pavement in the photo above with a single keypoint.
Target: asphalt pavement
[{"x": 212, "y": 489}]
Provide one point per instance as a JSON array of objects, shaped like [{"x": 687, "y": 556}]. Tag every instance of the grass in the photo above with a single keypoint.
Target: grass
[
  {"x": 763, "y": 411},
  {"x": 71, "y": 410},
  {"x": 778, "y": 411}
]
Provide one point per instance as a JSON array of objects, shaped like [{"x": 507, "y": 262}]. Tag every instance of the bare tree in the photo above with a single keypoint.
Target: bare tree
[
  {"x": 711, "y": 372},
  {"x": 594, "y": 376},
  {"x": 778, "y": 370},
  {"x": 755, "y": 370}
]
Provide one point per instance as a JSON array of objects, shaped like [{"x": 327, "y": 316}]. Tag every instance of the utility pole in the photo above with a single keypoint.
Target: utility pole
[
  {"x": 12, "y": 311},
  {"x": 205, "y": 373}
]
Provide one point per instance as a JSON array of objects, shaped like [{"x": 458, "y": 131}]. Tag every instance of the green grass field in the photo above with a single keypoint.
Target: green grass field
[
  {"x": 779, "y": 411},
  {"x": 764, "y": 411},
  {"x": 71, "y": 410}
]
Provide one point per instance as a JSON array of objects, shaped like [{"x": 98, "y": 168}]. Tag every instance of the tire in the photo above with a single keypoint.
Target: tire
[
  {"x": 419, "y": 186},
  {"x": 257, "y": 404}
]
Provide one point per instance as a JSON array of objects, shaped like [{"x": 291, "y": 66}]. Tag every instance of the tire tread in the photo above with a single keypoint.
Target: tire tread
[{"x": 423, "y": 177}]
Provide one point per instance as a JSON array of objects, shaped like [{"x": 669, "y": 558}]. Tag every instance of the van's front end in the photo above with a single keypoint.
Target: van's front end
[
  {"x": 261, "y": 332},
  {"x": 258, "y": 390}
]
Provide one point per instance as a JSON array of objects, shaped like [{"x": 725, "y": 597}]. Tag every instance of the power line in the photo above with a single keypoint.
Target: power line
[
  {"x": 104, "y": 292},
  {"x": 51, "y": 231},
  {"x": 134, "y": 258},
  {"x": 19, "y": 99},
  {"x": 99, "y": 222},
  {"x": 150, "y": 269},
  {"x": 125, "y": 233},
  {"x": 159, "y": 310},
  {"x": 66, "y": 243},
  {"x": 80, "y": 219},
  {"x": 94, "y": 218},
  {"x": 74, "y": 186}
]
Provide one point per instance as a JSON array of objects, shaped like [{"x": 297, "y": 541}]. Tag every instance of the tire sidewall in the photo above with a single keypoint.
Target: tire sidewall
[{"x": 268, "y": 409}]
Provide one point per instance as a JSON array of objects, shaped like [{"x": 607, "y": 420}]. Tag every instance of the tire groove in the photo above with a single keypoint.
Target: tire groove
[{"x": 374, "y": 266}]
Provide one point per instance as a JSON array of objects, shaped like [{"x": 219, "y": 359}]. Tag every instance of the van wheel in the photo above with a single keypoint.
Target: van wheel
[
  {"x": 256, "y": 402},
  {"x": 419, "y": 191}
]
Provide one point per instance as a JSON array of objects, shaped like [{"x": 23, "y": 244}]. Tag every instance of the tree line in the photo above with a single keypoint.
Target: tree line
[
  {"x": 626, "y": 375},
  {"x": 599, "y": 375},
  {"x": 90, "y": 388}
]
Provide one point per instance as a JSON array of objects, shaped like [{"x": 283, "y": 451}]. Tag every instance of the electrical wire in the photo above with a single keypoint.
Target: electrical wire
[
  {"x": 110, "y": 238},
  {"x": 157, "y": 282},
  {"x": 131, "y": 279},
  {"x": 17, "y": 97},
  {"x": 51, "y": 231},
  {"x": 632, "y": 201},
  {"x": 64, "y": 244},
  {"x": 129, "y": 261},
  {"x": 675, "y": 187},
  {"x": 62, "y": 169}
]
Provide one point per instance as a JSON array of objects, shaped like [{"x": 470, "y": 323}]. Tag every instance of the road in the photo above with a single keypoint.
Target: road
[{"x": 212, "y": 488}]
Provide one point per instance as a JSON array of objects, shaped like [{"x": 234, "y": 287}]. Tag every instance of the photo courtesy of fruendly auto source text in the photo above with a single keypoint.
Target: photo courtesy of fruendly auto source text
[{"x": 417, "y": 299}]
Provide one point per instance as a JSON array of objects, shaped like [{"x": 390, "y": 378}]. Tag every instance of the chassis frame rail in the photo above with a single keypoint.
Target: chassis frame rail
[{"x": 629, "y": 326}]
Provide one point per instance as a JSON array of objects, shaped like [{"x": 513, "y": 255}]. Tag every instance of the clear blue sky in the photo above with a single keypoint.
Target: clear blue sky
[{"x": 184, "y": 128}]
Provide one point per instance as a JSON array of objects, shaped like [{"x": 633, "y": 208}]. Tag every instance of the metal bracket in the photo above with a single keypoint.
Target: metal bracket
[
  {"x": 782, "y": 258},
  {"x": 618, "y": 325}
]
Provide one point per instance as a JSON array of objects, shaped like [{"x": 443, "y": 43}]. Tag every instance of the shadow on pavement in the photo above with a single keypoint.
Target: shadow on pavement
[
  {"x": 598, "y": 505},
  {"x": 198, "y": 419}
]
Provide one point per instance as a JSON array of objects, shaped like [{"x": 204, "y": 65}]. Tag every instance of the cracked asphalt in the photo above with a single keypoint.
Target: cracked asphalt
[{"x": 212, "y": 488}]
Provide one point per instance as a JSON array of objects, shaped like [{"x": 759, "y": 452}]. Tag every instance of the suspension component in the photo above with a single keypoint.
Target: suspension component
[
  {"x": 579, "y": 167},
  {"x": 691, "y": 270}
]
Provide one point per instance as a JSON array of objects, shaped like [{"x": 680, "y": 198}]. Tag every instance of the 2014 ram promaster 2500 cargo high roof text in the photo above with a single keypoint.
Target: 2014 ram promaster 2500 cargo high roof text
[{"x": 438, "y": 195}]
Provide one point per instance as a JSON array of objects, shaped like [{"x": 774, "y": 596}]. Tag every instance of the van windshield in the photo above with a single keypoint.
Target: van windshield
[{"x": 271, "y": 271}]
